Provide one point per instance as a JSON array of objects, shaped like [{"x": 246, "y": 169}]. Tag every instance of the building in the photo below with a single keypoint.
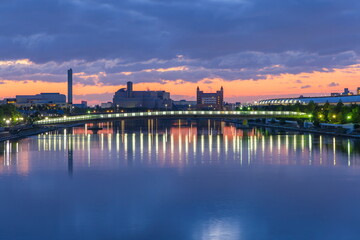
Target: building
[
  {"x": 106, "y": 105},
  {"x": 83, "y": 104},
  {"x": 347, "y": 92},
  {"x": 232, "y": 106},
  {"x": 128, "y": 98},
  {"x": 8, "y": 101},
  {"x": 345, "y": 99},
  {"x": 41, "y": 99},
  {"x": 213, "y": 101},
  {"x": 70, "y": 83},
  {"x": 358, "y": 91}
]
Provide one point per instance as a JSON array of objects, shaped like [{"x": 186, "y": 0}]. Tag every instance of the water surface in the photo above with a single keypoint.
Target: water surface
[{"x": 179, "y": 180}]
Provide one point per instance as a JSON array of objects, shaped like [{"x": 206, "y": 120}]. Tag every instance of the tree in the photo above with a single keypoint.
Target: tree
[{"x": 311, "y": 107}]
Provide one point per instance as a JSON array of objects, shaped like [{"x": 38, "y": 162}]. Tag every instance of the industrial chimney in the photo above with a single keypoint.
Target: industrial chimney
[
  {"x": 129, "y": 89},
  {"x": 70, "y": 86}
]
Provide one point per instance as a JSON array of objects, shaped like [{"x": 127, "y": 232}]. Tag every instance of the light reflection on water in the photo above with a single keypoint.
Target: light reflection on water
[{"x": 176, "y": 146}]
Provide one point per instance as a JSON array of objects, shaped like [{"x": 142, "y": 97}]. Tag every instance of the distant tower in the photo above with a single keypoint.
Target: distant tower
[
  {"x": 220, "y": 99},
  {"x": 198, "y": 95},
  {"x": 129, "y": 89},
  {"x": 70, "y": 82}
]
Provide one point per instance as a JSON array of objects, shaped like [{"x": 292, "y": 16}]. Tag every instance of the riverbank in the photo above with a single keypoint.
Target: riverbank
[
  {"x": 34, "y": 131},
  {"x": 308, "y": 130}
]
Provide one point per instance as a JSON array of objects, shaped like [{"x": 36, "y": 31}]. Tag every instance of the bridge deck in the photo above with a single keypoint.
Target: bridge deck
[{"x": 173, "y": 114}]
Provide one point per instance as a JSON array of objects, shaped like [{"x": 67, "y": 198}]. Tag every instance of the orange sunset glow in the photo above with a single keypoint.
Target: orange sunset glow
[{"x": 237, "y": 90}]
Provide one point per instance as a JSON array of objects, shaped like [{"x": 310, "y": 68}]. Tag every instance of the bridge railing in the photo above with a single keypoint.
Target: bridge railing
[{"x": 89, "y": 117}]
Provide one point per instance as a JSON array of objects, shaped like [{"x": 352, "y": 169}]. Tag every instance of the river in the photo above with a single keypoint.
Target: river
[{"x": 179, "y": 179}]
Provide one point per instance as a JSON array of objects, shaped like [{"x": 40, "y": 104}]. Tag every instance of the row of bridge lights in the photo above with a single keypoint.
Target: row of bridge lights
[{"x": 172, "y": 112}]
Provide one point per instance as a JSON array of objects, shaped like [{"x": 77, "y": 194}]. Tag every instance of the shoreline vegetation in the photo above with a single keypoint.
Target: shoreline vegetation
[{"x": 327, "y": 113}]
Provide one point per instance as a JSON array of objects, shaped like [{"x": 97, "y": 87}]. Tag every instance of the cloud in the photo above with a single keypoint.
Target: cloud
[
  {"x": 333, "y": 84},
  {"x": 156, "y": 40},
  {"x": 305, "y": 86},
  {"x": 298, "y": 81}
]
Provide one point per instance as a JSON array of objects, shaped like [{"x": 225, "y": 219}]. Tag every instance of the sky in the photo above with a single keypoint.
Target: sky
[{"x": 255, "y": 49}]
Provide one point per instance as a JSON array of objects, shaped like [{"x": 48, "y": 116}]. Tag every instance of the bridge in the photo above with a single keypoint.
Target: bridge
[{"x": 172, "y": 114}]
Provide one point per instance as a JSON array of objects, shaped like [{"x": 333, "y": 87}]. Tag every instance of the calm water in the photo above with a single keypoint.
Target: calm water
[{"x": 179, "y": 180}]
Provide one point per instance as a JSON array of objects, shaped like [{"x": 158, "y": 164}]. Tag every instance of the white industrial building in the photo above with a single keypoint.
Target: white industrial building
[
  {"x": 41, "y": 99},
  {"x": 345, "y": 99}
]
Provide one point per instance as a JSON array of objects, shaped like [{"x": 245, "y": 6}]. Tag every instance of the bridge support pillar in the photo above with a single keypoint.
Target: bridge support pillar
[
  {"x": 245, "y": 122},
  {"x": 95, "y": 128}
]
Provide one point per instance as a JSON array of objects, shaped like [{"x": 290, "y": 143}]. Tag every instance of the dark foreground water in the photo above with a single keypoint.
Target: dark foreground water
[{"x": 179, "y": 180}]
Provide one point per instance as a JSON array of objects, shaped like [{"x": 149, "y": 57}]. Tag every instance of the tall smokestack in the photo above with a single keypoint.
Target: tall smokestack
[
  {"x": 70, "y": 86},
  {"x": 129, "y": 89}
]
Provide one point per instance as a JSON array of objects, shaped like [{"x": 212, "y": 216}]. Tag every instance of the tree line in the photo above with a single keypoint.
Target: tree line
[
  {"x": 9, "y": 115},
  {"x": 327, "y": 113}
]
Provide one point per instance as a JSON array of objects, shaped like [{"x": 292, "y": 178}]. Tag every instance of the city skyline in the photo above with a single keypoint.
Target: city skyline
[
  {"x": 90, "y": 92},
  {"x": 244, "y": 46}
]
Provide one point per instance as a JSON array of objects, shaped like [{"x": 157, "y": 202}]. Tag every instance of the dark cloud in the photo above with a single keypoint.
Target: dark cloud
[
  {"x": 333, "y": 84},
  {"x": 305, "y": 86},
  {"x": 232, "y": 39}
]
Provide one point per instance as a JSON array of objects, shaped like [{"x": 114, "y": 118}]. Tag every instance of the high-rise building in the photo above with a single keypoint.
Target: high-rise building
[
  {"x": 358, "y": 91},
  {"x": 213, "y": 101},
  {"x": 70, "y": 82}
]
